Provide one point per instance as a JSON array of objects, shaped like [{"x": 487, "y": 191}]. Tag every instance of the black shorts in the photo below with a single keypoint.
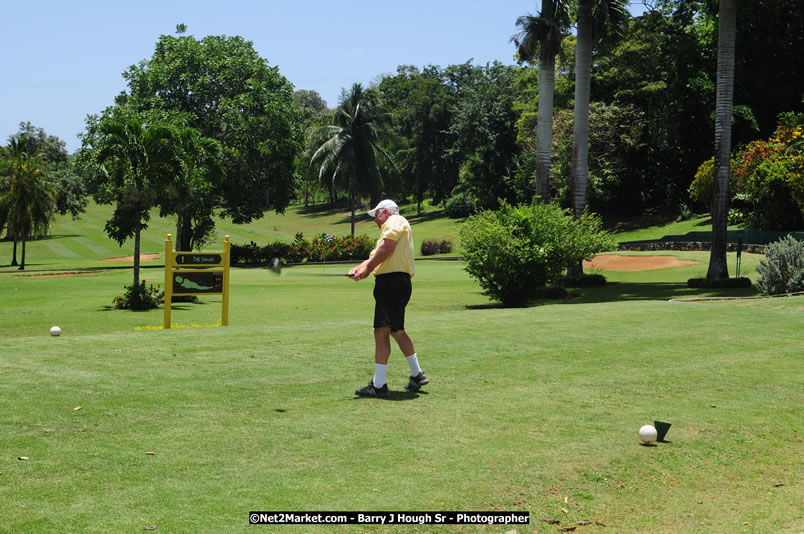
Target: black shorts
[{"x": 391, "y": 295}]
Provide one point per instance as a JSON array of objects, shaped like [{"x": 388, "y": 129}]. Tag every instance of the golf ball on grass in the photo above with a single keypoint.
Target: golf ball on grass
[
  {"x": 647, "y": 434},
  {"x": 55, "y": 331}
]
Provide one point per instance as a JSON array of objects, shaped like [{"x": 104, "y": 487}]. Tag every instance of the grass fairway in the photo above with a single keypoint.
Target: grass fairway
[
  {"x": 532, "y": 409},
  {"x": 536, "y": 409}
]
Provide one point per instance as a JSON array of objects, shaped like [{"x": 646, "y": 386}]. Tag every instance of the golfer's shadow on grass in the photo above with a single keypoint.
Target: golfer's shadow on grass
[{"x": 396, "y": 396}]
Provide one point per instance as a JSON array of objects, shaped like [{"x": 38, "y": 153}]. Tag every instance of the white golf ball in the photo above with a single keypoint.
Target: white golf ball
[
  {"x": 647, "y": 434},
  {"x": 55, "y": 331}
]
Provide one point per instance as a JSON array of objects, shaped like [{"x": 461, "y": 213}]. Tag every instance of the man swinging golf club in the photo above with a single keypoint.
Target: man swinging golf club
[{"x": 391, "y": 261}]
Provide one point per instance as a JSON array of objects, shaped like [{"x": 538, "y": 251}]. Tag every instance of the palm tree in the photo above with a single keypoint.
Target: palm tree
[
  {"x": 352, "y": 144},
  {"x": 598, "y": 20},
  {"x": 134, "y": 160},
  {"x": 186, "y": 194},
  {"x": 18, "y": 148},
  {"x": 542, "y": 34},
  {"x": 727, "y": 35},
  {"x": 27, "y": 198}
]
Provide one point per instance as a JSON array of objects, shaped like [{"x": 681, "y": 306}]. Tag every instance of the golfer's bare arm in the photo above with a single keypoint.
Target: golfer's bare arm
[{"x": 384, "y": 252}]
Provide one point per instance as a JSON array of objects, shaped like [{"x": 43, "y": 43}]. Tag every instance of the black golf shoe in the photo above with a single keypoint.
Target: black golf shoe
[
  {"x": 373, "y": 391},
  {"x": 417, "y": 382}
]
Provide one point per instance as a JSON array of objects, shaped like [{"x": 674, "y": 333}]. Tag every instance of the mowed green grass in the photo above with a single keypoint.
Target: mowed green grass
[
  {"x": 83, "y": 242},
  {"x": 533, "y": 409}
]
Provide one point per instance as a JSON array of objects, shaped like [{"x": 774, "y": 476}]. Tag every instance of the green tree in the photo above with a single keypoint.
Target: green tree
[
  {"x": 484, "y": 132},
  {"x": 770, "y": 64},
  {"x": 315, "y": 114},
  {"x": 27, "y": 198},
  {"x": 616, "y": 140},
  {"x": 222, "y": 87},
  {"x": 727, "y": 31},
  {"x": 69, "y": 185},
  {"x": 309, "y": 103},
  {"x": 188, "y": 191},
  {"x": 134, "y": 161},
  {"x": 662, "y": 69},
  {"x": 352, "y": 149},
  {"x": 597, "y": 21},
  {"x": 422, "y": 106},
  {"x": 542, "y": 35}
]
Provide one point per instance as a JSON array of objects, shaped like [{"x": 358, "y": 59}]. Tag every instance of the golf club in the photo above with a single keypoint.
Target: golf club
[{"x": 276, "y": 267}]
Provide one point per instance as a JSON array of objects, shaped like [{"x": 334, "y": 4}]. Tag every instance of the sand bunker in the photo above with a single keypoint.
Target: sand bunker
[
  {"x": 55, "y": 275},
  {"x": 614, "y": 262},
  {"x": 143, "y": 257}
]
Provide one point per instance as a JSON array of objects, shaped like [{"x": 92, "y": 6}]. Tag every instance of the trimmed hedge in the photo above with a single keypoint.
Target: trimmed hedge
[{"x": 434, "y": 246}]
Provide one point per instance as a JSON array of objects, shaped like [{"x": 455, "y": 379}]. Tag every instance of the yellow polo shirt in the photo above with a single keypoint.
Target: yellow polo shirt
[{"x": 396, "y": 228}]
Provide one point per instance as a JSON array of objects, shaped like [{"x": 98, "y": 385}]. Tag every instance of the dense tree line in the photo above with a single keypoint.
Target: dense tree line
[
  {"x": 235, "y": 139},
  {"x": 467, "y": 135}
]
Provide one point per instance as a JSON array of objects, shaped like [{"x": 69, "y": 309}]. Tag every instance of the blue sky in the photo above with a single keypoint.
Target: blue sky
[{"x": 61, "y": 61}]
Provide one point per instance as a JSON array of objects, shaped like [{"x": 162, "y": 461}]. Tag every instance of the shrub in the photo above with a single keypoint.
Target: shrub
[
  {"x": 770, "y": 177},
  {"x": 515, "y": 251},
  {"x": 244, "y": 254},
  {"x": 782, "y": 268},
  {"x": 460, "y": 205},
  {"x": 139, "y": 297},
  {"x": 434, "y": 246},
  {"x": 323, "y": 247},
  {"x": 702, "y": 189}
]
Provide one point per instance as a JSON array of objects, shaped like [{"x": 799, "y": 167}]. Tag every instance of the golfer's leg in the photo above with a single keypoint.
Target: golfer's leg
[
  {"x": 406, "y": 346},
  {"x": 382, "y": 345},
  {"x": 405, "y": 343}
]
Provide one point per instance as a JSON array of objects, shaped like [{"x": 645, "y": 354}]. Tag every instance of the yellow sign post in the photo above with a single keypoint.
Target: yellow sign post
[{"x": 197, "y": 273}]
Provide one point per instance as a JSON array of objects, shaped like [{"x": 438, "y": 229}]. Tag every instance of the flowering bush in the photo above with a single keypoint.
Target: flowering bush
[
  {"x": 254, "y": 254},
  {"x": 770, "y": 177},
  {"x": 767, "y": 179},
  {"x": 139, "y": 297},
  {"x": 323, "y": 247},
  {"x": 703, "y": 186}
]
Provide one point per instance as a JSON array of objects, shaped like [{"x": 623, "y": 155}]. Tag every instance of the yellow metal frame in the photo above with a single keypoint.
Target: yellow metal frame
[{"x": 171, "y": 268}]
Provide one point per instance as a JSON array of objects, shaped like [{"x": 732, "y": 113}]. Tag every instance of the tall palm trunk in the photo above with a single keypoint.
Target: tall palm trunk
[
  {"x": 137, "y": 255},
  {"x": 580, "y": 143},
  {"x": 14, "y": 256},
  {"x": 727, "y": 31},
  {"x": 22, "y": 264},
  {"x": 352, "y": 196},
  {"x": 544, "y": 132}
]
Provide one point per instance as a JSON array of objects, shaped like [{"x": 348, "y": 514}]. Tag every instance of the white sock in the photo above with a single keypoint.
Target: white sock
[
  {"x": 380, "y": 372},
  {"x": 413, "y": 362}
]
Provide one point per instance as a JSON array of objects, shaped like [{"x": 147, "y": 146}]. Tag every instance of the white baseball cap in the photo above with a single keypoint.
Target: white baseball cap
[{"x": 386, "y": 204}]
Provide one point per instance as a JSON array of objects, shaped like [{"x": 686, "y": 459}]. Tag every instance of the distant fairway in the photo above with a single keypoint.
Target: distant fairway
[
  {"x": 82, "y": 243},
  {"x": 534, "y": 409}
]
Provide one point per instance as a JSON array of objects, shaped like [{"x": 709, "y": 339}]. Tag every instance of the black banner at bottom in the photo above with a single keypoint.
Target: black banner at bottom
[{"x": 388, "y": 518}]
